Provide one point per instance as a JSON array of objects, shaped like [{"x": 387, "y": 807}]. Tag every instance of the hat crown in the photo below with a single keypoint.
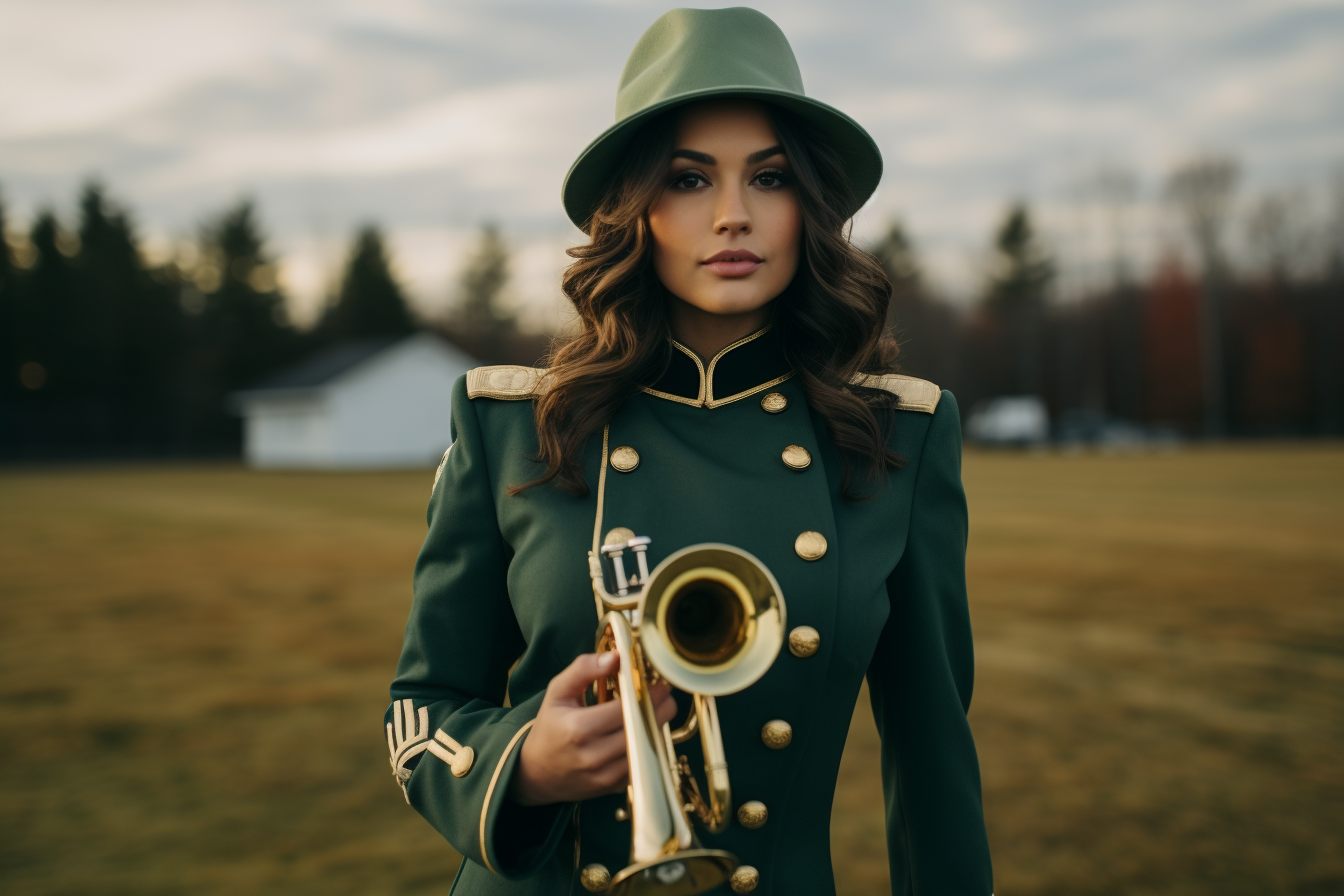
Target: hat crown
[{"x": 689, "y": 50}]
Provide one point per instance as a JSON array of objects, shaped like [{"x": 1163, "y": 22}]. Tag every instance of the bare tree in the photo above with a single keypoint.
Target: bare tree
[
  {"x": 1203, "y": 190},
  {"x": 1117, "y": 189},
  {"x": 1277, "y": 235}
]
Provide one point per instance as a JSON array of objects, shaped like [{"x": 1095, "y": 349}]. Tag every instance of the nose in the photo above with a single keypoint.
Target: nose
[{"x": 730, "y": 213}]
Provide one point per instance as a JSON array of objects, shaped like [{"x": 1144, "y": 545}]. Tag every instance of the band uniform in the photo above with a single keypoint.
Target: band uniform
[{"x": 728, "y": 451}]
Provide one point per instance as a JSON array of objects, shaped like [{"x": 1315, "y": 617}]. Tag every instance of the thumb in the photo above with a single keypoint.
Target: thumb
[{"x": 568, "y": 686}]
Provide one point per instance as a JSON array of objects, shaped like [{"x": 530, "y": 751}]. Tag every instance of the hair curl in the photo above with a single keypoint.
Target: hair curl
[{"x": 831, "y": 318}]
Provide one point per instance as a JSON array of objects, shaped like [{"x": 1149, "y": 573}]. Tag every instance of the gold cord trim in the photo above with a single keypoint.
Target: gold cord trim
[
  {"x": 705, "y": 397},
  {"x": 707, "y": 386},
  {"x": 597, "y": 520},
  {"x": 720, "y": 402},
  {"x": 489, "y": 791}
]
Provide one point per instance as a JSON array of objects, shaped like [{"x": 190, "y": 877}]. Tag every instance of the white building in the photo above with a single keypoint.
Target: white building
[{"x": 365, "y": 403}]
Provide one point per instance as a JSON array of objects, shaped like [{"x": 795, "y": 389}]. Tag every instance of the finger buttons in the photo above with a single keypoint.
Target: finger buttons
[
  {"x": 804, "y": 641},
  {"x": 624, "y": 459},
  {"x": 797, "y": 457},
  {"x": 810, "y": 545}
]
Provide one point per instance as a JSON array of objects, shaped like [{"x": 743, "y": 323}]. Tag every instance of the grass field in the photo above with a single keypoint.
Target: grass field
[{"x": 193, "y": 661}]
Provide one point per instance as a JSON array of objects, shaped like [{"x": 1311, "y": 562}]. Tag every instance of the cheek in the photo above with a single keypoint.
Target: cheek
[
  {"x": 787, "y": 234},
  {"x": 670, "y": 230}
]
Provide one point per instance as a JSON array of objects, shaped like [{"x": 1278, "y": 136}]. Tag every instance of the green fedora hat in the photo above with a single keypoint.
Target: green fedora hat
[{"x": 694, "y": 54}]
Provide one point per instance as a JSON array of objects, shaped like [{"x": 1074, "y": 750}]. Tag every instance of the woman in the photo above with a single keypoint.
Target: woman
[{"x": 730, "y": 379}]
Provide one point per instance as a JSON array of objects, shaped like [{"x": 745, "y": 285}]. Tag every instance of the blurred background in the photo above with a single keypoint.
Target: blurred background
[{"x": 247, "y": 246}]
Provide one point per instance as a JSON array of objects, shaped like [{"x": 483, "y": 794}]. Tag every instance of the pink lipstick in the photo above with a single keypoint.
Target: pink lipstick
[{"x": 733, "y": 262}]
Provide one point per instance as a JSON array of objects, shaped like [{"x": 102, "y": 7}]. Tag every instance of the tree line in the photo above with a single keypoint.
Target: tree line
[
  {"x": 1198, "y": 347},
  {"x": 107, "y": 354}
]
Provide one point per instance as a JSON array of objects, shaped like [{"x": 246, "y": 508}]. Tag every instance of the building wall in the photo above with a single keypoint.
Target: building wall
[
  {"x": 395, "y": 409},
  {"x": 287, "y": 432}
]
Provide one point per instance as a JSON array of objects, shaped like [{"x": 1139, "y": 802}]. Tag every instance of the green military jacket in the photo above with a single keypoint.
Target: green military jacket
[{"x": 872, "y": 588}]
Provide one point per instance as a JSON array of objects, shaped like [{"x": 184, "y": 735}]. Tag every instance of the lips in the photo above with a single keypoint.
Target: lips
[{"x": 733, "y": 262}]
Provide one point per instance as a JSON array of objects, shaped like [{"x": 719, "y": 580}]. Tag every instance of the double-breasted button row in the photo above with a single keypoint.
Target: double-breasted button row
[
  {"x": 804, "y": 641},
  {"x": 776, "y": 734},
  {"x": 624, "y": 459},
  {"x": 752, "y": 814}
]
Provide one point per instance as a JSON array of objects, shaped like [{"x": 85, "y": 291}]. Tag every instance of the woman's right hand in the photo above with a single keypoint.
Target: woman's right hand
[{"x": 576, "y": 752}]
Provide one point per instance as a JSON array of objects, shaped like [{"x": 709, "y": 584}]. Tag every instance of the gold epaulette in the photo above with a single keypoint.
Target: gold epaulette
[
  {"x": 912, "y": 394},
  {"x": 505, "y": 381}
]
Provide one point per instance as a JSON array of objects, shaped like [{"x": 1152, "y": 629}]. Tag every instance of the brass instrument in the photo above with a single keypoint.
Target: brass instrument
[{"x": 709, "y": 619}]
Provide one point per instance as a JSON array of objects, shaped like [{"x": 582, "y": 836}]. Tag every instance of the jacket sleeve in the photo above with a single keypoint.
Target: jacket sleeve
[
  {"x": 453, "y": 743},
  {"x": 920, "y": 685}
]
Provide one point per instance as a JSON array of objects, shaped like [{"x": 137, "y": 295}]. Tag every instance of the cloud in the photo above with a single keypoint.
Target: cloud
[{"x": 430, "y": 118}]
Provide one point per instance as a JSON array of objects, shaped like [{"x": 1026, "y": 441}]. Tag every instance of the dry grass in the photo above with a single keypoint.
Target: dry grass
[{"x": 193, "y": 660}]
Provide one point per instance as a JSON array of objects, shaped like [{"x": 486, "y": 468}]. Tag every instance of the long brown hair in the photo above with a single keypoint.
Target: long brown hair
[{"x": 830, "y": 318}]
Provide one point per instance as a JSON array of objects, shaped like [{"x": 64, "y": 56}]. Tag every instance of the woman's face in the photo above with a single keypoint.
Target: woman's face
[{"x": 726, "y": 228}]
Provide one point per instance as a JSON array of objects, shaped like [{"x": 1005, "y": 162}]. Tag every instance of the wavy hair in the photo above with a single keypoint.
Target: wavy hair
[{"x": 830, "y": 319}]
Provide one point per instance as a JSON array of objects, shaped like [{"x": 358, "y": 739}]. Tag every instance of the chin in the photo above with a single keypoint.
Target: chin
[{"x": 736, "y": 300}]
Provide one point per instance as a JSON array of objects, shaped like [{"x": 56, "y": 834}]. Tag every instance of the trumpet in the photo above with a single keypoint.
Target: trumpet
[{"x": 709, "y": 619}]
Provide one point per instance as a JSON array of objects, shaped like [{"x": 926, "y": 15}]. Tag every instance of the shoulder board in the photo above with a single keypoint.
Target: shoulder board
[
  {"x": 912, "y": 394},
  {"x": 505, "y": 381}
]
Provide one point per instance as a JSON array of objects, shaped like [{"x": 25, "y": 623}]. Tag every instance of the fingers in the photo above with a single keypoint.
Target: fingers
[
  {"x": 604, "y": 750},
  {"x": 665, "y": 708},
  {"x": 573, "y": 680}
]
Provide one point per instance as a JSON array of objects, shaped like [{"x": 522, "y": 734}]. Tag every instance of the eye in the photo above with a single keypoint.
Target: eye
[
  {"x": 771, "y": 179},
  {"x": 688, "y": 180}
]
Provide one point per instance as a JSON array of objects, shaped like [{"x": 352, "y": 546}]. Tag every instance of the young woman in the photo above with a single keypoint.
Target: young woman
[{"x": 729, "y": 382}]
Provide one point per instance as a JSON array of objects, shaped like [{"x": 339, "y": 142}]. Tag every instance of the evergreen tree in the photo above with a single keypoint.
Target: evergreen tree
[
  {"x": 927, "y": 330},
  {"x": 10, "y": 382},
  {"x": 124, "y": 329},
  {"x": 47, "y": 303},
  {"x": 484, "y": 327},
  {"x": 371, "y": 302},
  {"x": 1021, "y": 273},
  {"x": 896, "y": 253},
  {"x": 245, "y": 324}
]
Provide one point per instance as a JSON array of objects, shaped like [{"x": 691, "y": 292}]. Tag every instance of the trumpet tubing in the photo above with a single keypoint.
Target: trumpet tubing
[{"x": 709, "y": 619}]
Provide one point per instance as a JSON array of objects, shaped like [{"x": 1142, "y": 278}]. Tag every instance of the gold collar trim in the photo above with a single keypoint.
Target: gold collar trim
[{"x": 705, "y": 396}]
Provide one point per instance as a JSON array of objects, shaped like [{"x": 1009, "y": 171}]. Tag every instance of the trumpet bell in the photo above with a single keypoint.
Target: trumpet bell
[
  {"x": 712, "y": 619},
  {"x": 684, "y": 873}
]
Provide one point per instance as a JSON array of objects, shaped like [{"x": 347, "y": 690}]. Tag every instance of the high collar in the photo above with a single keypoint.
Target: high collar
[{"x": 745, "y": 367}]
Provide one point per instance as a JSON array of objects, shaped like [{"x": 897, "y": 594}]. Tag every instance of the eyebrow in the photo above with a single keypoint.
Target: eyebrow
[{"x": 706, "y": 159}]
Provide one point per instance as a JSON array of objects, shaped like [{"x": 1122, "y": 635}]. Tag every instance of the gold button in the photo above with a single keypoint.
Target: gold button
[
  {"x": 796, "y": 456},
  {"x": 625, "y": 458},
  {"x": 595, "y": 877},
  {"x": 810, "y": 545},
  {"x": 461, "y": 763},
  {"x": 744, "y": 879},
  {"x": 619, "y": 535},
  {"x": 804, "y": 641},
  {"x": 776, "y": 734},
  {"x": 752, "y": 814},
  {"x": 774, "y": 402}
]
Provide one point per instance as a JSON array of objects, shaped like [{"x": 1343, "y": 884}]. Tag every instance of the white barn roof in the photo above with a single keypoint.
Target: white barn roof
[{"x": 363, "y": 403}]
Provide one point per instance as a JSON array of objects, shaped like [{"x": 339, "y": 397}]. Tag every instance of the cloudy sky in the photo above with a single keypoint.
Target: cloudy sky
[{"x": 432, "y": 117}]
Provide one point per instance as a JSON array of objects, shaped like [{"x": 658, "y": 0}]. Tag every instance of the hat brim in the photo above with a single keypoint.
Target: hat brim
[{"x": 588, "y": 176}]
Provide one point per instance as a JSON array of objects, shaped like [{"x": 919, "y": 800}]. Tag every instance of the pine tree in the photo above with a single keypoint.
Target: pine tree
[
  {"x": 371, "y": 302},
  {"x": 10, "y": 382},
  {"x": 245, "y": 322},
  {"x": 1020, "y": 276},
  {"x": 485, "y": 328}
]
